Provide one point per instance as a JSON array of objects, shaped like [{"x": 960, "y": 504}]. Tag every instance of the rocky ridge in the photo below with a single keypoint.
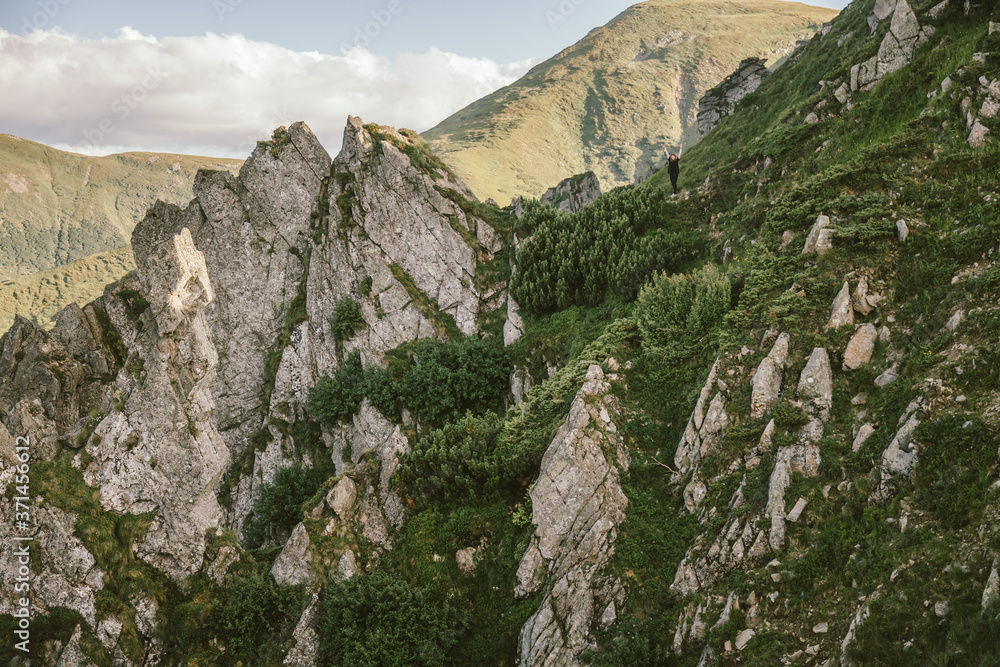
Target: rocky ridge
[{"x": 182, "y": 374}]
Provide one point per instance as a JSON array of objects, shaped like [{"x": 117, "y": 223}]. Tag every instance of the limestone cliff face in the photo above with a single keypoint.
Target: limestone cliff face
[
  {"x": 578, "y": 504},
  {"x": 188, "y": 371}
]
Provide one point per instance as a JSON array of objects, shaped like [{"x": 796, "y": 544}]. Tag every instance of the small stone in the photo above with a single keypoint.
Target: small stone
[
  {"x": 860, "y": 399},
  {"x": 864, "y": 433},
  {"x": 955, "y": 320},
  {"x": 816, "y": 380},
  {"x": 347, "y": 567},
  {"x": 902, "y": 230},
  {"x": 796, "y": 512},
  {"x": 821, "y": 628},
  {"x": 744, "y": 638},
  {"x": 812, "y": 240},
  {"x": 812, "y": 119},
  {"x": 342, "y": 496},
  {"x": 859, "y": 350},
  {"x": 978, "y": 135},
  {"x": 843, "y": 94},
  {"x": 842, "y": 311},
  {"x": 465, "y": 558},
  {"x": 889, "y": 376},
  {"x": 941, "y": 609},
  {"x": 294, "y": 564},
  {"x": 991, "y": 593},
  {"x": 813, "y": 650},
  {"x": 961, "y": 398}
]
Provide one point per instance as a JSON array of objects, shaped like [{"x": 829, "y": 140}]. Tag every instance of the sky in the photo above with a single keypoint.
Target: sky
[{"x": 212, "y": 77}]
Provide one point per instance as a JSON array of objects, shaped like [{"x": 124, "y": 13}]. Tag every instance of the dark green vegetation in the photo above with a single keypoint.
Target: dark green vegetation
[
  {"x": 436, "y": 382},
  {"x": 278, "y": 508},
  {"x": 383, "y": 620},
  {"x": 896, "y": 155},
  {"x": 347, "y": 319},
  {"x": 612, "y": 246},
  {"x": 247, "y": 622}
]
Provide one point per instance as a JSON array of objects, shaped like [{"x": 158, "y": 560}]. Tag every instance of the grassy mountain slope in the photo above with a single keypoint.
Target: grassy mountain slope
[
  {"x": 40, "y": 296},
  {"x": 57, "y": 207},
  {"x": 913, "y": 551},
  {"x": 608, "y": 102}
]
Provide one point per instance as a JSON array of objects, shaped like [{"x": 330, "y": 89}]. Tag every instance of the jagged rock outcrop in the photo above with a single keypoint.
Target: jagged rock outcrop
[
  {"x": 900, "y": 458},
  {"x": 578, "y": 505},
  {"x": 803, "y": 459},
  {"x": 767, "y": 379},
  {"x": 896, "y": 51},
  {"x": 720, "y": 101},
  {"x": 305, "y": 652},
  {"x": 573, "y": 193},
  {"x": 841, "y": 312},
  {"x": 704, "y": 428},
  {"x": 206, "y": 354},
  {"x": 169, "y": 459},
  {"x": 816, "y": 382}
]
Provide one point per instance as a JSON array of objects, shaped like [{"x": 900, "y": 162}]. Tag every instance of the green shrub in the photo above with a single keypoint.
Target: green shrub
[
  {"x": 338, "y": 396},
  {"x": 610, "y": 247},
  {"x": 693, "y": 303},
  {"x": 952, "y": 470},
  {"x": 380, "y": 620},
  {"x": 439, "y": 382},
  {"x": 347, "y": 318},
  {"x": 453, "y": 463},
  {"x": 788, "y": 416},
  {"x": 365, "y": 287},
  {"x": 278, "y": 508},
  {"x": 253, "y": 612}
]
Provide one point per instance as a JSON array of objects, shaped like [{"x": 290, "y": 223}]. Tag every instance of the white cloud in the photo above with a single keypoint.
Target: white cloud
[{"x": 218, "y": 94}]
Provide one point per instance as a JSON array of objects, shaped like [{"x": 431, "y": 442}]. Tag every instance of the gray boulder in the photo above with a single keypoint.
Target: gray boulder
[
  {"x": 721, "y": 100},
  {"x": 572, "y": 194}
]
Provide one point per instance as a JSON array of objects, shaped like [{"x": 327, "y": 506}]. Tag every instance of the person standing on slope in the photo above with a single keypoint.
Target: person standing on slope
[{"x": 674, "y": 168}]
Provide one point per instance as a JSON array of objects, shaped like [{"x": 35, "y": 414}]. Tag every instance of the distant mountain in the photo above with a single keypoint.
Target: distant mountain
[
  {"x": 40, "y": 296},
  {"x": 57, "y": 207},
  {"x": 607, "y": 103}
]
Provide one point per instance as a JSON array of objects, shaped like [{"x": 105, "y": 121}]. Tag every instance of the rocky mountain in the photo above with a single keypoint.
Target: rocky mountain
[
  {"x": 608, "y": 103},
  {"x": 58, "y": 207},
  {"x": 752, "y": 424}
]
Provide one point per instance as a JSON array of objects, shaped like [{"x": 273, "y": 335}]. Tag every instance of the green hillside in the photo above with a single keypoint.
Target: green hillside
[
  {"x": 40, "y": 296},
  {"x": 755, "y": 186},
  {"x": 57, "y": 207},
  {"x": 607, "y": 103}
]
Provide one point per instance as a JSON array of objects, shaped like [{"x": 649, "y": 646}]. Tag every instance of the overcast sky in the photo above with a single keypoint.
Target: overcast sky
[{"x": 213, "y": 76}]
